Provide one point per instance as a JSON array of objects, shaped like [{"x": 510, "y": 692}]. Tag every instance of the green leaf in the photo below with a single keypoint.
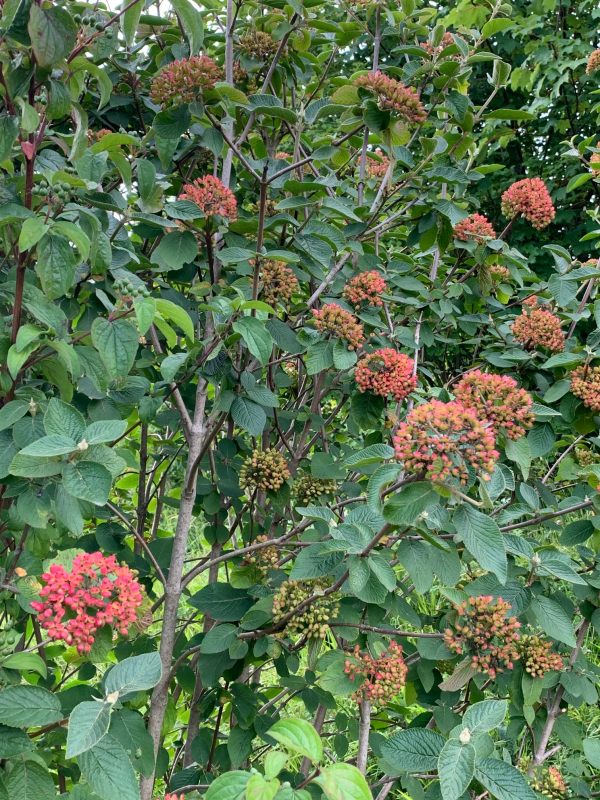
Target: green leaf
[
  {"x": 134, "y": 674},
  {"x": 87, "y": 480},
  {"x": 218, "y": 639},
  {"x": 28, "y": 706},
  {"x": 456, "y": 766},
  {"x": 298, "y": 736},
  {"x": 179, "y": 316},
  {"x": 61, "y": 419},
  {"x": 13, "y": 742},
  {"x": 32, "y": 231},
  {"x": 413, "y": 750},
  {"x": 88, "y": 723},
  {"x": 55, "y": 264},
  {"x": 108, "y": 771},
  {"x": 343, "y": 782},
  {"x": 25, "y": 662},
  {"x": 9, "y": 128},
  {"x": 130, "y": 20},
  {"x": 494, "y": 26},
  {"x": 230, "y": 786},
  {"x": 503, "y": 781},
  {"x": 483, "y": 539},
  {"x": 190, "y": 20},
  {"x": 105, "y": 431},
  {"x": 591, "y": 748},
  {"x": 485, "y": 716},
  {"x": 175, "y": 250},
  {"x": 53, "y": 34},
  {"x": 248, "y": 415},
  {"x": 29, "y": 780},
  {"x": 257, "y": 338},
  {"x": 49, "y": 446},
  {"x": 553, "y": 619},
  {"x": 222, "y": 602},
  {"x": 12, "y": 412},
  {"x": 117, "y": 344},
  {"x": 407, "y": 504}
]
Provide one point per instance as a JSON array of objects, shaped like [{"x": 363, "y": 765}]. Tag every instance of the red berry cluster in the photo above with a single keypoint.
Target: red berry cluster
[
  {"x": 383, "y": 678},
  {"x": 184, "y": 81},
  {"x": 595, "y": 161},
  {"x": 378, "y": 168},
  {"x": 211, "y": 196},
  {"x": 593, "y": 62},
  {"x": 585, "y": 384},
  {"x": 475, "y": 227},
  {"x": 174, "y": 797},
  {"x": 258, "y": 45},
  {"x": 335, "y": 320},
  {"x": 483, "y": 630},
  {"x": 386, "y": 373},
  {"x": 538, "y": 327},
  {"x": 367, "y": 287},
  {"x": 529, "y": 198},
  {"x": 97, "y": 591},
  {"x": 278, "y": 282},
  {"x": 550, "y": 783},
  {"x": 538, "y": 656},
  {"x": 447, "y": 40},
  {"x": 497, "y": 399},
  {"x": 440, "y": 441},
  {"x": 393, "y": 96}
]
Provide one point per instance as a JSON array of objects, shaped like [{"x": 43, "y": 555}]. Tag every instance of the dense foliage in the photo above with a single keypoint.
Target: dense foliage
[{"x": 299, "y": 400}]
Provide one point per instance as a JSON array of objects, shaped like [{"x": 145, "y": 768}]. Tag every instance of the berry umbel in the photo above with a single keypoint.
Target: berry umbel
[
  {"x": 264, "y": 470},
  {"x": 538, "y": 657},
  {"x": 367, "y": 288},
  {"x": 394, "y": 96},
  {"x": 498, "y": 400},
  {"x": 278, "y": 282},
  {"x": 474, "y": 228},
  {"x": 336, "y": 321},
  {"x": 585, "y": 384},
  {"x": 530, "y": 199},
  {"x": 382, "y": 678},
  {"x": 550, "y": 783},
  {"x": 185, "y": 81},
  {"x": 593, "y": 62},
  {"x": 311, "y": 621},
  {"x": 308, "y": 489},
  {"x": 538, "y": 327},
  {"x": 212, "y": 197},
  {"x": 386, "y": 373}
]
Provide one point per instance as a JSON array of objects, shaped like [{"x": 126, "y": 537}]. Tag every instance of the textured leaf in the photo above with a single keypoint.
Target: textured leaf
[
  {"x": 298, "y": 736},
  {"x": 87, "y": 481},
  {"x": 483, "y": 539},
  {"x": 413, "y": 750},
  {"x": 88, "y": 723},
  {"x": 52, "y": 33},
  {"x": 503, "y": 781},
  {"x": 134, "y": 674},
  {"x": 117, "y": 344},
  {"x": 343, "y": 782},
  {"x": 29, "y": 780},
  {"x": 28, "y": 706},
  {"x": 108, "y": 770},
  {"x": 456, "y": 766}
]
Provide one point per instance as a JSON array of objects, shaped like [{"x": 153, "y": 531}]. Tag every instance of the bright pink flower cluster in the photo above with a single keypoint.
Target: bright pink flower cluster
[
  {"x": 386, "y": 372},
  {"x": 211, "y": 196},
  {"x": 529, "y": 198},
  {"x": 383, "y": 677},
  {"x": 585, "y": 384},
  {"x": 497, "y": 399},
  {"x": 184, "y": 81},
  {"x": 367, "y": 287},
  {"x": 593, "y": 62},
  {"x": 378, "y": 168},
  {"x": 97, "y": 591},
  {"x": 392, "y": 95},
  {"x": 440, "y": 441},
  {"x": 474, "y": 227},
  {"x": 538, "y": 656},
  {"x": 335, "y": 320},
  {"x": 537, "y": 327},
  {"x": 483, "y": 630}
]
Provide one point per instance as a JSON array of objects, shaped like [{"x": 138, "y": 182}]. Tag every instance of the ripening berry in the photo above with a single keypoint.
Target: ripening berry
[
  {"x": 185, "y": 81},
  {"x": 174, "y": 797},
  {"x": 474, "y": 228},
  {"x": 367, "y": 288},
  {"x": 386, "y": 373},
  {"x": 593, "y": 62},
  {"x": 538, "y": 327},
  {"x": 264, "y": 559},
  {"x": 312, "y": 621},
  {"x": 308, "y": 490},
  {"x": 485, "y": 632},
  {"x": 382, "y": 678},
  {"x": 393, "y": 96},
  {"x": 529, "y": 198},
  {"x": 595, "y": 162},
  {"x": 278, "y": 281},
  {"x": 550, "y": 783},
  {"x": 211, "y": 196},
  {"x": 377, "y": 168},
  {"x": 434, "y": 52},
  {"x": 538, "y": 657},
  {"x": 585, "y": 384},
  {"x": 258, "y": 45},
  {"x": 499, "y": 273},
  {"x": 440, "y": 441},
  {"x": 585, "y": 457},
  {"x": 335, "y": 320},
  {"x": 265, "y": 470},
  {"x": 497, "y": 399}
]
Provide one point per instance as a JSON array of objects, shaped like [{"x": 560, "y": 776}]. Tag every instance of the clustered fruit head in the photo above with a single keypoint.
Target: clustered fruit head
[
  {"x": 185, "y": 81},
  {"x": 529, "y": 198},
  {"x": 433, "y": 51},
  {"x": 538, "y": 327},
  {"x": 174, "y": 797},
  {"x": 483, "y": 630},
  {"x": 538, "y": 657},
  {"x": 258, "y": 45},
  {"x": 585, "y": 457},
  {"x": 383, "y": 678},
  {"x": 264, "y": 559},
  {"x": 593, "y": 62},
  {"x": 475, "y": 227},
  {"x": 367, "y": 288},
  {"x": 211, "y": 196},
  {"x": 313, "y": 620},
  {"x": 335, "y": 320},
  {"x": 392, "y": 95},
  {"x": 309, "y": 490},
  {"x": 499, "y": 273},
  {"x": 498, "y": 400},
  {"x": 386, "y": 373},
  {"x": 378, "y": 168},
  {"x": 585, "y": 384},
  {"x": 595, "y": 161},
  {"x": 440, "y": 441},
  {"x": 9, "y": 639},
  {"x": 97, "y": 591},
  {"x": 127, "y": 290},
  {"x": 550, "y": 783},
  {"x": 265, "y": 470},
  {"x": 278, "y": 282}
]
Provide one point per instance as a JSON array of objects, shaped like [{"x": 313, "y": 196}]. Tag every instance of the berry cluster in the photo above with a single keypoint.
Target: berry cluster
[
  {"x": 127, "y": 290},
  {"x": 174, "y": 797},
  {"x": 184, "y": 81},
  {"x": 499, "y": 273},
  {"x": 278, "y": 282},
  {"x": 376, "y": 168},
  {"x": 211, "y": 196},
  {"x": 550, "y": 783},
  {"x": 538, "y": 657},
  {"x": 9, "y": 639},
  {"x": 393, "y": 96},
  {"x": 538, "y": 327},
  {"x": 585, "y": 384},
  {"x": 61, "y": 190},
  {"x": 335, "y": 320},
  {"x": 529, "y": 198},
  {"x": 264, "y": 559},
  {"x": 475, "y": 227},
  {"x": 483, "y": 630},
  {"x": 593, "y": 62},
  {"x": 265, "y": 470},
  {"x": 309, "y": 490},
  {"x": 97, "y": 591},
  {"x": 383, "y": 678},
  {"x": 595, "y": 161},
  {"x": 585, "y": 457},
  {"x": 434, "y": 52},
  {"x": 440, "y": 441},
  {"x": 366, "y": 287},
  {"x": 313, "y": 620},
  {"x": 258, "y": 45},
  {"x": 497, "y": 399},
  {"x": 91, "y": 21},
  {"x": 386, "y": 373}
]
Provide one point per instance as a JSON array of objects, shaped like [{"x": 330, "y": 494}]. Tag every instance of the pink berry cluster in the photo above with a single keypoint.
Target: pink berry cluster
[
  {"x": 538, "y": 327},
  {"x": 475, "y": 227},
  {"x": 97, "y": 591},
  {"x": 378, "y": 168},
  {"x": 383, "y": 678},
  {"x": 538, "y": 657},
  {"x": 278, "y": 282},
  {"x": 499, "y": 273},
  {"x": 386, "y": 373},
  {"x": 530, "y": 199},
  {"x": 440, "y": 441},
  {"x": 335, "y": 320},
  {"x": 595, "y": 161},
  {"x": 434, "y": 52},
  {"x": 174, "y": 797},
  {"x": 392, "y": 95},
  {"x": 367, "y": 287},
  {"x": 211, "y": 196},
  {"x": 483, "y": 630},
  {"x": 497, "y": 399},
  {"x": 184, "y": 81},
  {"x": 593, "y": 62},
  {"x": 585, "y": 384},
  {"x": 550, "y": 783}
]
